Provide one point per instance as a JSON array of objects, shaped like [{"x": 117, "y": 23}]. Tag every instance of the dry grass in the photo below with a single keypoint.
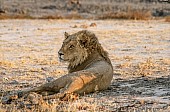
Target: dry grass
[
  {"x": 90, "y": 103},
  {"x": 145, "y": 68},
  {"x": 5, "y": 63},
  {"x": 19, "y": 16},
  {"x": 23, "y": 16},
  {"x": 73, "y": 15},
  {"x": 130, "y": 14},
  {"x": 126, "y": 42},
  {"x": 167, "y": 19},
  {"x": 34, "y": 102},
  {"x": 51, "y": 17}
]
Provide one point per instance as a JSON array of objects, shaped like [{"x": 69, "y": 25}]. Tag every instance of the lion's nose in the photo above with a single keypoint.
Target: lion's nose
[{"x": 60, "y": 53}]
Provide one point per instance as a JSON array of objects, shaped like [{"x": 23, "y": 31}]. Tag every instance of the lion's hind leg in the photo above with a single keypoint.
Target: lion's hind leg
[
  {"x": 68, "y": 92},
  {"x": 51, "y": 87}
]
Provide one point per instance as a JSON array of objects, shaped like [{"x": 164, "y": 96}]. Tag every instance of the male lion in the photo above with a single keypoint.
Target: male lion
[{"x": 89, "y": 68}]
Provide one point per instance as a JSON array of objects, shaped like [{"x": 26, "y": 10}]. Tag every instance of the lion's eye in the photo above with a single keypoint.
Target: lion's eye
[{"x": 71, "y": 46}]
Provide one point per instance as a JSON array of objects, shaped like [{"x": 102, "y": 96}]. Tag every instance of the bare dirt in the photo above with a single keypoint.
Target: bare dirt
[{"x": 139, "y": 51}]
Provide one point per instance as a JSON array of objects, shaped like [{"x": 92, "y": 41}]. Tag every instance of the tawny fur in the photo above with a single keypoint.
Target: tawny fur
[{"x": 89, "y": 68}]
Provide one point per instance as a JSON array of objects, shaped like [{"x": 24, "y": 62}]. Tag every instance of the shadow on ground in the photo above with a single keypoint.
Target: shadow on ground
[{"x": 141, "y": 93}]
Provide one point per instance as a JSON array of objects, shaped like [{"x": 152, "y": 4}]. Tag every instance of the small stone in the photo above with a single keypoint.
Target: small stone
[
  {"x": 49, "y": 79},
  {"x": 21, "y": 104},
  {"x": 93, "y": 25},
  {"x": 14, "y": 82},
  {"x": 8, "y": 99},
  {"x": 45, "y": 68},
  {"x": 5, "y": 100},
  {"x": 5, "y": 79},
  {"x": 34, "y": 98},
  {"x": 3, "y": 73},
  {"x": 75, "y": 26},
  {"x": 20, "y": 94},
  {"x": 29, "y": 106},
  {"x": 142, "y": 101}
]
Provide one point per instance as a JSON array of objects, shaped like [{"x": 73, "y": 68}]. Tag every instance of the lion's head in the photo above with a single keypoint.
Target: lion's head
[{"x": 77, "y": 47}]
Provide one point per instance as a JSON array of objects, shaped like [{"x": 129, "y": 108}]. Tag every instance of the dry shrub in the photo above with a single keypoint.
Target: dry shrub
[
  {"x": 139, "y": 15},
  {"x": 149, "y": 67},
  {"x": 84, "y": 25},
  {"x": 5, "y": 63},
  {"x": 73, "y": 16},
  {"x": 145, "y": 68},
  {"x": 22, "y": 16},
  {"x": 130, "y": 14},
  {"x": 25, "y": 16},
  {"x": 166, "y": 61},
  {"x": 3, "y": 16},
  {"x": 19, "y": 16},
  {"x": 51, "y": 17},
  {"x": 93, "y": 25},
  {"x": 167, "y": 19}
]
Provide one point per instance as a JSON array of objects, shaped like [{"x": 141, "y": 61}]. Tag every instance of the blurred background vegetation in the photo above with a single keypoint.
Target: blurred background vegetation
[{"x": 84, "y": 9}]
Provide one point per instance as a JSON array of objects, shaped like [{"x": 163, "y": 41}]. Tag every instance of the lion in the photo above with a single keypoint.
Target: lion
[{"x": 89, "y": 68}]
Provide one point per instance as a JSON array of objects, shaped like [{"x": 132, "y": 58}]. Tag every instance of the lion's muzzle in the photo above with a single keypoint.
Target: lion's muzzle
[{"x": 61, "y": 55}]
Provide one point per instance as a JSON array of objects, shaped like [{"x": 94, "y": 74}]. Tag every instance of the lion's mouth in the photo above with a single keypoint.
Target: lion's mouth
[
  {"x": 62, "y": 59},
  {"x": 61, "y": 56}
]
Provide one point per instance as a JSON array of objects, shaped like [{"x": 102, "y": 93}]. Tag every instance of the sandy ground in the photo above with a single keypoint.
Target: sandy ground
[{"x": 139, "y": 51}]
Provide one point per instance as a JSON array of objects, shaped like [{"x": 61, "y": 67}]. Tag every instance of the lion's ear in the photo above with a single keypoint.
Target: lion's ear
[
  {"x": 66, "y": 35},
  {"x": 83, "y": 41}
]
